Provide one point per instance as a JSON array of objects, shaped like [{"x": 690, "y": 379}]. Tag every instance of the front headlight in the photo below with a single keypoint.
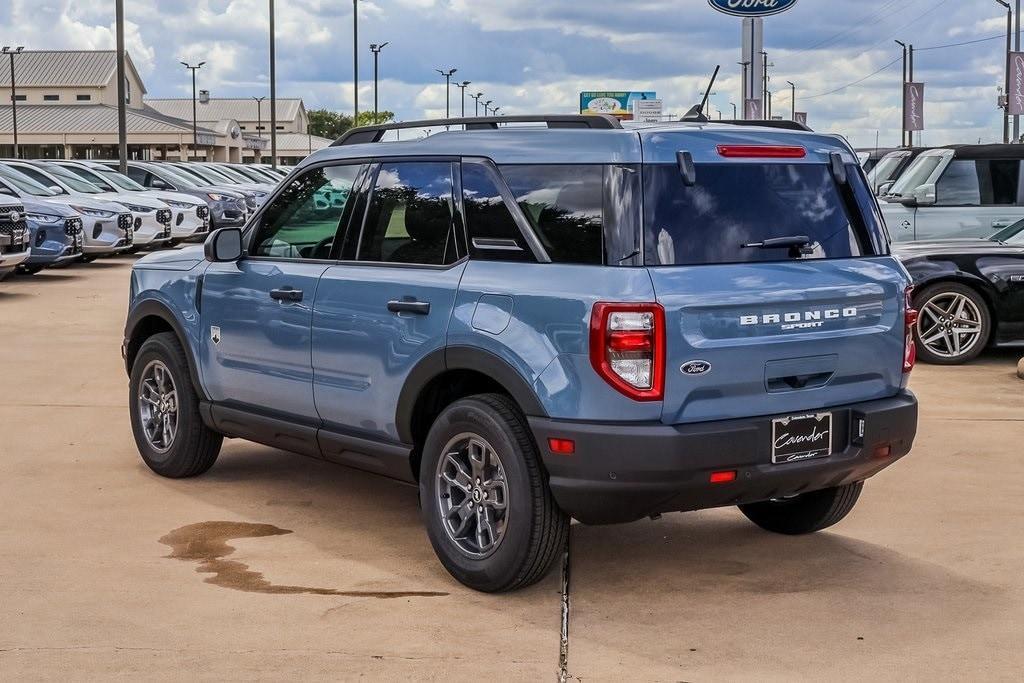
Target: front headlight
[
  {"x": 135, "y": 208},
  {"x": 44, "y": 218},
  {"x": 218, "y": 197},
  {"x": 96, "y": 213},
  {"x": 178, "y": 205}
]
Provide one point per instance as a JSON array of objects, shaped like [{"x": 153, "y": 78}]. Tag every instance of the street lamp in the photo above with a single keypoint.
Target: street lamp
[
  {"x": 735, "y": 114},
  {"x": 903, "y": 96},
  {"x": 122, "y": 87},
  {"x": 476, "y": 98},
  {"x": 792, "y": 97},
  {"x": 355, "y": 62},
  {"x": 463, "y": 86},
  {"x": 494, "y": 110},
  {"x": 195, "y": 113},
  {"x": 1009, "y": 49},
  {"x": 273, "y": 92},
  {"x": 259, "y": 114},
  {"x": 447, "y": 90},
  {"x": 745, "y": 66},
  {"x": 375, "y": 49},
  {"x": 487, "y": 104},
  {"x": 14, "y": 100}
]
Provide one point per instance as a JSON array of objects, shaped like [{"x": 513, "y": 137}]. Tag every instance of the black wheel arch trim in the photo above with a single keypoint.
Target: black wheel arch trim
[
  {"x": 152, "y": 308},
  {"x": 448, "y": 358}
]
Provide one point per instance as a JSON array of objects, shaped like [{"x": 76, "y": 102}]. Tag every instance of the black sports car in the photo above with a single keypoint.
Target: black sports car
[{"x": 969, "y": 292}]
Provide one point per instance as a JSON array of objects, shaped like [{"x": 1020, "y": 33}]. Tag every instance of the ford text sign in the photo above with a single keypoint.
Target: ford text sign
[{"x": 752, "y": 8}]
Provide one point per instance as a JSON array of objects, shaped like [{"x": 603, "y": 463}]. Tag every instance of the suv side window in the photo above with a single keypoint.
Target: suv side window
[
  {"x": 302, "y": 221},
  {"x": 138, "y": 175},
  {"x": 990, "y": 182},
  {"x": 564, "y": 203},
  {"x": 493, "y": 232},
  {"x": 410, "y": 218}
]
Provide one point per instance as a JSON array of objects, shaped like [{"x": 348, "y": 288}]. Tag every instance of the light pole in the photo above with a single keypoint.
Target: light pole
[
  {"x": 1016, "y": 46},
  {"x": 447, "y": 90},
  {"x": 195, "y": 113},
  {"x": 14, "y": 99},
  {"x": 735, "y": 114},
  {"x": 494, "y": 110},
  {"x": 355, "y": 62},
  {"x": 1009, "y": 49},
  {"x": 792, "y": 97},
  {"x": 122, "y": 105},
  {"x": 259, "y": 126},
  {"x": 764, "y": 89},
  {"x": 476, "y": 98},
  {"x": 486, "y": 105},
  {"x": 273, "y": 91},
  {"x": 745, "y": 66},
  {"x": 903, "y": 97},
  {"x": 375, "y": 49},
  {"x": 463, "y": 86}
]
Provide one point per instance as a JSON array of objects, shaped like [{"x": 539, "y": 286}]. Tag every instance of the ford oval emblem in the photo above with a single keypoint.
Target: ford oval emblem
[
  {"x": 695, "y": 367},
  {"x": 752, "y": 8}
]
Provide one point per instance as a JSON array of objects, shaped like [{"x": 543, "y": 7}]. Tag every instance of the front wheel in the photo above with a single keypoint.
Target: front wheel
[
  {"x": 806, "y": 513},
  {"x": 953, "y": 324},
  {"x": 486, "y": 504},
  {"x": 164, "y": 407}
]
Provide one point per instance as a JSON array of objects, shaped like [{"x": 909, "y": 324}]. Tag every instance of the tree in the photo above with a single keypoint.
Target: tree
[{"x": 331, "y": 124}]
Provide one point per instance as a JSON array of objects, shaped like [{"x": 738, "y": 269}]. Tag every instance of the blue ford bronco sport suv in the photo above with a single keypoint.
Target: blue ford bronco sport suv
[{"x": 538, "y": 318}]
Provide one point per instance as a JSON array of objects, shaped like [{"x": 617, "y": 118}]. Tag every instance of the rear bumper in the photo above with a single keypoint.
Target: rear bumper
[{"x": 624, "y": 472}]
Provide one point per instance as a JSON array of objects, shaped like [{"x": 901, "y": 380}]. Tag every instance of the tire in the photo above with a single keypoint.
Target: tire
[
  {"x": 929, "y": 302},
  {"x": 806, "y": 513},
  {"x": 532, "y": 529},
  {"x": 193, "y": 448}
]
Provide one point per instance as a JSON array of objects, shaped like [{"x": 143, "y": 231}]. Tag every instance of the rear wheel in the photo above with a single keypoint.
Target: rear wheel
[
  {"x": 806, "y": 513},
  {"x": 954, "y": 324},
  {"x": 486, "y": 504},
  {"x": 169, "y": 433}
]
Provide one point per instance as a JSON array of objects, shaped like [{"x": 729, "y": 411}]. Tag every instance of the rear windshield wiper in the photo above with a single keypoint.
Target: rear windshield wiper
[{"x": 799, "y": 245}]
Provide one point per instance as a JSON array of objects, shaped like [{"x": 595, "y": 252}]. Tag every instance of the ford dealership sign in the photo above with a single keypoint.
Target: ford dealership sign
[{"x": 752, "y": 8}]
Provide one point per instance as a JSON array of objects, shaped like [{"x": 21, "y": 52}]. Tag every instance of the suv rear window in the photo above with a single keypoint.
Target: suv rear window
[{"x": 736, "y": 204}]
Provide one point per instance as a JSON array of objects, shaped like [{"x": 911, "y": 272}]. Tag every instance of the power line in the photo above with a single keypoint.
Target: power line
[
  {"x": 857, "y": 82},
  {"x": 877, "y": 16},
  {"x": 966, "y": 42}
]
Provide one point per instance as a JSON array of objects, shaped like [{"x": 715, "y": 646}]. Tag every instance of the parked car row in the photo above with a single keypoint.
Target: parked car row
[
  {"x": 956, "y": 215},
  {"x": 53, "y": 212}
]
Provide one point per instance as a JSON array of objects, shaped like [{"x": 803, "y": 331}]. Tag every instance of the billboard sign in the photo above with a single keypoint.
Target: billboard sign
[
  {"x": 801, "y": 117},
  {"x": 1016, "y": 84},
  {"x": 616, "y": 103},
  {"x": 752, "y": 8},
  {"x": 648, "y": 111},
  {"x": 913, "y": 105},
  {"x": 753, "y": 110}
]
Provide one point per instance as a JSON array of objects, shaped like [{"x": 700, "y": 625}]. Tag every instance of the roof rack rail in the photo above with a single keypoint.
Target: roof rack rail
[
  {"x": 774, "y": 123},
  {"x": 364, "y": 134}
]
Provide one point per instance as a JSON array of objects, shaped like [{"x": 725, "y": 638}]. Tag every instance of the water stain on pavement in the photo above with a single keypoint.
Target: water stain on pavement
[{"x": 207, "y": 544}]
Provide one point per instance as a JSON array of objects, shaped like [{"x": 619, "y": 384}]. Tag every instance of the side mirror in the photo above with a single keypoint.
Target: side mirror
[
  {"x": 884, "y": 188},
  {"x": 223, "y": 246},
  {"x": 924, "y": 195}
]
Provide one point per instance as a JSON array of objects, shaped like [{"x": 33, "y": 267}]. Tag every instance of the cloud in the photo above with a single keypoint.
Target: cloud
[{"x": 537, "y": 55}]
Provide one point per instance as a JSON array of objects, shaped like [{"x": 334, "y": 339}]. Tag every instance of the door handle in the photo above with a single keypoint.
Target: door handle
[
  {"x": 286, "y": 294},
  {"x": 417, "y": 307}
]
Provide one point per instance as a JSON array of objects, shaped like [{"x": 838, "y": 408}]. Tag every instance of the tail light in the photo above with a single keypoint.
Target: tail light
[
  {"x": 627, "y": 348},
  {"x": 910, "y": 316},
  {"x": 761, "y": 151}
]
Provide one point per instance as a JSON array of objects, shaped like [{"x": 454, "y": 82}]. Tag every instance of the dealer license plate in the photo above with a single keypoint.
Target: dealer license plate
[{"x": 801, "y": 437}]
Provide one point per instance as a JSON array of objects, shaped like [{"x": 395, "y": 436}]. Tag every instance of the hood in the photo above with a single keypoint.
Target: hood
[
  {"x": 227, "y": 191},
  {"x": 135, "y": 198},
  {"x": 88, "y": 203},
  {"x": 172, "y": 259},
  {"x": 41, "y": 205},
  {"x": 170, "y": 196}
]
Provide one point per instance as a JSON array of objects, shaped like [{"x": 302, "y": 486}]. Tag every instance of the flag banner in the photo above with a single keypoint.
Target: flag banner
[
  {"x": 1016, "y": 93},
  {"x": 913, "y": 105}
]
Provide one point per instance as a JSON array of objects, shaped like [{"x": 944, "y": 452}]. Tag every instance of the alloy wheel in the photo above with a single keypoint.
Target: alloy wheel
[
  {"x": 950, "y": 325},
  {"x": 158, "y": 406},
  {"x": 472, "y": 495}
]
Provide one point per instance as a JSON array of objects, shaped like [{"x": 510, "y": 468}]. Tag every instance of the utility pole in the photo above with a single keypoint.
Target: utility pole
[
  {"x": 769, "y": 94},
  {"x": 273, "y": 92},
  {"x": 195, "y": 113},
  {"x": 745, "y": 66},
  {"x": 375, "y": 49},
  {"x": 476, "y": 98},
  {"x": 447, "y": 90},
  {"x": 764, "y": 89},
  {"x": 122, "y": 110},
  {"x": 910, "y": 79},
  {"x": 1009, "y": 49},
  {"x": 903, "y": 97},
  {"x": 355, "y": 62},
  {"x": 463, "y": 85},
  {"x": 792, "y": 97},
  {"x": 14, "y": 98},
  {"x": 1016, "y": 47}
]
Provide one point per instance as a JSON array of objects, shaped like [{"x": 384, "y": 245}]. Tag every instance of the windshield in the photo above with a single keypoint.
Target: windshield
[
  {"x": 1013, "y": 234},
  {"x": 917, "y": 174},
  {"x": 23, "y": 183},
  {"x": 207, "y": 174},
  {"x": 90, "y": 177},
  {"x": 121, "y": 181},
  {"x": 884, "y": 171},
  {"x": 232, "y": 174},
  {"x": 253, "y": 175},
  {"x": 176, "y": 176},
  {"x": 71, "y": 180},
  {"x": 733, "y": 208}
]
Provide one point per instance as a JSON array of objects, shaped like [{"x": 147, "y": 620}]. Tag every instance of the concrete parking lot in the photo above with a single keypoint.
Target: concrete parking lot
[{"x": 275, "y": 566}]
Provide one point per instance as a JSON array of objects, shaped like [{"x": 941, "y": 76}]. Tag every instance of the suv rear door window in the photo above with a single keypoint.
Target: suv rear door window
[
  {"x": 564, "y": 203},
  {"x": 988, "y": 182},
  {"x": 733, "y": 205},
  {"x": 493, "y": 233}
]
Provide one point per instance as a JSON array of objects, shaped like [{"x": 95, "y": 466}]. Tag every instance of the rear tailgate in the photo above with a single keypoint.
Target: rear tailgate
[{"x": 780, "y": 337}]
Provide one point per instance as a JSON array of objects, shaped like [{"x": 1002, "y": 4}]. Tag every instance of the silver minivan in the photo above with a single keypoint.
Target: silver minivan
[{"x": 959, "y": 191}]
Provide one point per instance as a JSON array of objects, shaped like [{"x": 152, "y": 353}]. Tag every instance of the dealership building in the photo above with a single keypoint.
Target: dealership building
[{"x": 66, "y": 107}]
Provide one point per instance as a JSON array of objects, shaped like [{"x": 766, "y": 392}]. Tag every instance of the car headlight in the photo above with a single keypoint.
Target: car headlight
[
  {"x": 44, "y": 218},
  {"x": 135, "y": 208},
  {"x": 218, "y": 197},
  {"x": 178, "y": 205},
  {"x": 96, "y": 213}
]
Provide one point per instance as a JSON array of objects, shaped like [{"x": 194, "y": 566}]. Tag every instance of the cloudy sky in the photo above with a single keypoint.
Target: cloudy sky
[{"x": 536, "y": 55}]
